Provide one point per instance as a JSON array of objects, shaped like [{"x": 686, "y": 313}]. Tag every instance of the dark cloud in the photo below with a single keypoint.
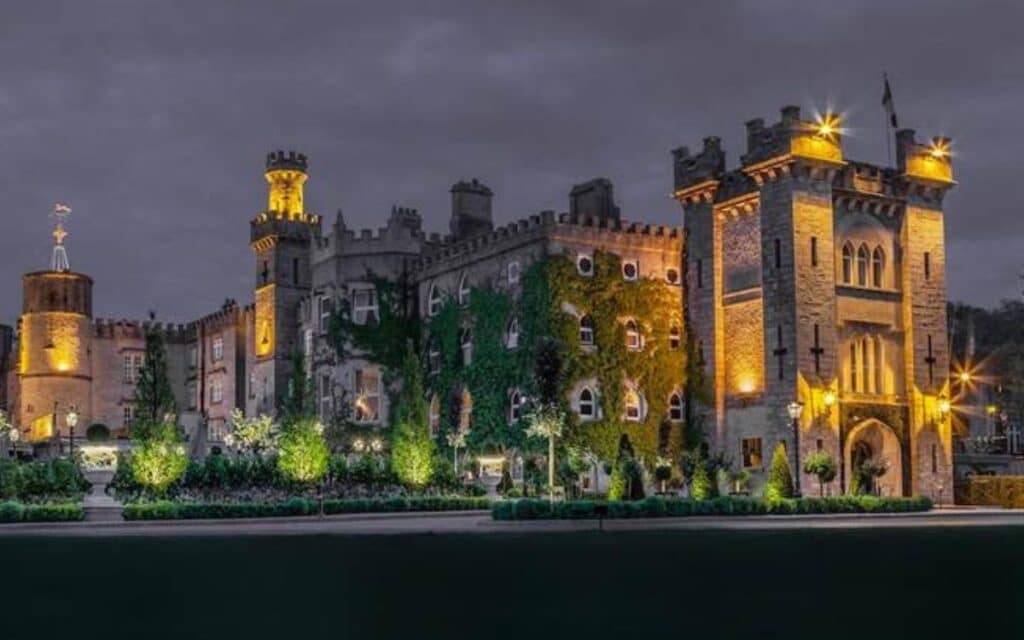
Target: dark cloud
[{"x": 152, "y": 118}]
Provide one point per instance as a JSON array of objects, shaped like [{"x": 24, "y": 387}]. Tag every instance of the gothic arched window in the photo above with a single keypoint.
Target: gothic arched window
[
  {"x": 512, "y": 333},
  {"x": 434, "y": 301},
  {"x": 466, "y": 346},
  {"x": 847, "y": 264},
  {"x": 634, "y": 342},
  {"x": 862, "y": 265},
  {"x": 586, "y": 406},
  {"x": 877, "y": 267},
  {"x": 435, "y": 415},
  {"x": 586, "y": 330},
  {"x": 675, "y": 408},
  {"x": 464, "y": 290},
  {"x": 515, "y": 405},
  {"x": 634, "y": 405}
]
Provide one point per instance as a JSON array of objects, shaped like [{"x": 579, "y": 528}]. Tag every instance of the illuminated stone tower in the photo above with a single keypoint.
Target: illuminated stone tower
[
  {"x": 281, "y": 238},
  {"x": 817, "y": 283},
  {"x": 55, "y": 345}
]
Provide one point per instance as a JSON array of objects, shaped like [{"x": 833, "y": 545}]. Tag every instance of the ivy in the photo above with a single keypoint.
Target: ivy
[{"x": 386, "y": 337}]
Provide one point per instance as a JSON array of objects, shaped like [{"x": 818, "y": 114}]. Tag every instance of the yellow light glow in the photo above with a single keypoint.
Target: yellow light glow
[
  {"x": 746, "y": 385},
  {"x": 991, "y": 409},
  {"x": 939, "y": 149},
  {"x": 829, "y": 124},
  {"x": 829, "y": 398},
  {"x": 965, "y": 377},
  {"x": 944, "y": 406},
  {"x": 265, "y": 320}
]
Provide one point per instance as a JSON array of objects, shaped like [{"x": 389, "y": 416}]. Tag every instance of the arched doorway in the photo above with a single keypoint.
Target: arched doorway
[{"x": 870, "y": 444}]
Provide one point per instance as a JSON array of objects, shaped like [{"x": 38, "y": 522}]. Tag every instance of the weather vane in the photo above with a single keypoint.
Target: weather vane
[{"x": 59, "y": 258}]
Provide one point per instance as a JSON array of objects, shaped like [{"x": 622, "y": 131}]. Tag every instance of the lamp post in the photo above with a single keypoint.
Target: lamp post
[
  {"x": 72, "y": 420},
  {"x": 794, "y": 409}
]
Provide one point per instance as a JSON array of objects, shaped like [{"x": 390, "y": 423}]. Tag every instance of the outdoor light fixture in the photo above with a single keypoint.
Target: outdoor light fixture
[
  {"x": 939, "y": 150},
  {"x": 794, "y": 409},
  {"x": 72, "y": 418},
  {"x": 944, "y": 406},
  {"x": 965, "y": 377},
  {"x": 828, "y": 125}
]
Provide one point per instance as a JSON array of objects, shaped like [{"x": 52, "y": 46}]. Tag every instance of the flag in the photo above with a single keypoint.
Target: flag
[{"x": 887, "y": 102}]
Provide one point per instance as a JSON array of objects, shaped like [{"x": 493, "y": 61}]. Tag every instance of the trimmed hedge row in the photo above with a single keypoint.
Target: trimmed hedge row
[
  {"x": 655, "y": 507},
  {"x": 295, "y": 507},
  {"x": 994, "y": 491},
  {"x": 53, "y": 512}
]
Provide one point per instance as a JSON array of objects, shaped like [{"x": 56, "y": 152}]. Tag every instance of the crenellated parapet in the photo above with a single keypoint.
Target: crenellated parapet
[
  {"x": 109, "y": 328},
  {"x": 696, "y": 177},
  {"x": 403, "y": 233}
]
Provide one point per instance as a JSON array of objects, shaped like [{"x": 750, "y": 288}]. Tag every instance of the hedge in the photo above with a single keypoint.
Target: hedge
[
  {"x": 996, "y": 491},
  {"x": 167, "y": 510},
  {"x": 53, "y": 512},
  {"x": 655, "y": 507}
]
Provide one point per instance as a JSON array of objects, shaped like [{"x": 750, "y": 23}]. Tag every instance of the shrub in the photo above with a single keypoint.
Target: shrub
[
  {"x": 823, "y": 465},
  {"x": 627, "y": 480},
  {"x": 159, "y": 457},
  {"x": 702, "y": 487},
  {"x": 780, "y": 480},
  {"x": 412, "y": 448},
  {"x": 304, "y": 452},
  {"x": 166, "y": 510},
  {"x": 97, "y": 432},
  {"x": 39, "y": 480},
  {"x": 49, "y": 512}
]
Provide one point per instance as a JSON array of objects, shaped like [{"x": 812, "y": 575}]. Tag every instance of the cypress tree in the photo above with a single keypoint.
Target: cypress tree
[
  {"x": 298, "y": 403},
  {"x": 412, "y": 448},
  {"x": 780, "y": 480},
  {"x": 153, "y": 396}
]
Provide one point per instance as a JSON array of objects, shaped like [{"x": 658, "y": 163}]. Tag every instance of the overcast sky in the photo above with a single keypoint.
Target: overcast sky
[{"x": 152, "y": 119}]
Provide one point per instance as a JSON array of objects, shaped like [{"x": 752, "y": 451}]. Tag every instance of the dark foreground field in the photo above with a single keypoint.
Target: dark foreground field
[{"x": 906, "y": 583}]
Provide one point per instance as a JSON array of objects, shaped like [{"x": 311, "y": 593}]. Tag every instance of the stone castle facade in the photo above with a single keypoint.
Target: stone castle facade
[{"x": 806, "y": 278}]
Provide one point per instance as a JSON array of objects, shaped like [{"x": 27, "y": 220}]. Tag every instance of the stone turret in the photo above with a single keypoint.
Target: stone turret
[
  {"x": 471, "y": 209},
  {"x": 594, "y": 198}
]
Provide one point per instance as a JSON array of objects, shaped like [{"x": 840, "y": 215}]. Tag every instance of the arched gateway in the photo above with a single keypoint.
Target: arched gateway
[{"x": 873, "y": 442}]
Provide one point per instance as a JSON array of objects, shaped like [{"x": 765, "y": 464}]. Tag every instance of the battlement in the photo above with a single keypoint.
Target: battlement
[
  {"x": 692, "y": 170},
  {"x": 819, "y": 139},
  {"x": 404, "y": 230},
  {"x": 471, "y": 186},
  {"x": 930, "y": 163},
  {"x": 110, "y": 328},
  {"x": 290, "y": 161}
]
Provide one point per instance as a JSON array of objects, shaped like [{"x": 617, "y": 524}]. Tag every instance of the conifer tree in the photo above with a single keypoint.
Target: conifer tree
[
  {"x": 412, "y": 448},
  {"x": 780, "y": 480},
  {"x": 154, "y": 399},
  {"x": 299, "y": 401}
]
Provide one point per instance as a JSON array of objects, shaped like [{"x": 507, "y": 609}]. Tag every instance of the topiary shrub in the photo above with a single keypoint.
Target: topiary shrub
[
  {"x": 702, "y": 487},
  {"x": 97, "y": 432},
  {"x": 822, "y": 465},
  {"x": 780, "y": 480}
]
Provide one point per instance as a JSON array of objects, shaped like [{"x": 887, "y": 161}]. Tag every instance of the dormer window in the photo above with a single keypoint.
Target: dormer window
[
  {"x": 585, "y": 264},
  {"x": 631, "y": 270}
]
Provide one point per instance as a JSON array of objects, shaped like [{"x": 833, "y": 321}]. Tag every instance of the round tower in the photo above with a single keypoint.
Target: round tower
[{"x": 286, "y": 175}]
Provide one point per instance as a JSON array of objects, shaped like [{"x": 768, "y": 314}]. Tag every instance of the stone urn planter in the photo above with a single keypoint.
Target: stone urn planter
[{"x": 491, "y": 467}]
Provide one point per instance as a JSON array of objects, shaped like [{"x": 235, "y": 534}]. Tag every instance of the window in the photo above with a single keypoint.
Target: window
[
  {"x": 814, "y": 251},
  {"x": 364, "y": 306},
  {"x": 513, "y": 272},
  {"x": 927, "y": 265},
  {"x": 265, "y": 273},
  {"x": 847, "y": 264},
  {"x": 218, "y": 349},
  {"x": 307, "y": 344},
  {"x": 634, "y": 342},
  {"x": 819, "y": 444},
  {"x": 672, "y": 276},
  {"x": 464, "y": 290},
  {"x": 700, "y": 274},
  {"x": 325, "y": 308},
  {"x": 778, "y": 253},
  {"x": 434, "y": 357},
  {"x": 751, "y": 448},
  {"x": 862, "y": 265},
  {"x": 877, "y": 267},
  {"x": 295, "y": 271},
  {"x": 193, "y": 357},
  {"x": 128, "y": 415},
  {"x": 585, "y": 264},
  {"x": 434, "y": 301},
  {"x": 466, "y": 346},
  {"x": 216, "y": 392},
  {"x": 675, "y": 408},
  {"x": 674, "y": 337},
  {"x": 512, "y": 333},
  {"x": 935, "y": 458},
  {"x": 190, "y": 393},
  {"x": 634, "y": 405},
  {"x": 130, "y": 372},
  {"x": 252, "y": 384},
  {"x": 586, "y": 331},
  {"x": 435, "y": 415},
  {"x": 367, "y": 404},
  {"x": 853, "y": 365},
  {"x": 865, "y": 351},
  {"x": 586, "y": 407},
  {"x": 630, "y": 270},
  {"x": 516, "y": 404},
  {"x": 465, "y": 410},
  {"x": 326, "y": 395}
]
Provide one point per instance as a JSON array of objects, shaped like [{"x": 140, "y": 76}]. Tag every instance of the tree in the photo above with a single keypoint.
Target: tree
[
  {"x": 412, "y": 448},
  {"x": 823, "y": 465},
  {"x": 154, "y": 400},
  {"x": 627, "y": 478},
  {"x": 780, "y": 480},
  {"x": 547, "y": 372},
  {"x": 257, "y": 436},
  {"x": 158, "y": 455},
  {"x": 547, "y": 422},
  {"x": 304, "y": 454},
  {"x": 299, "y": 402}
]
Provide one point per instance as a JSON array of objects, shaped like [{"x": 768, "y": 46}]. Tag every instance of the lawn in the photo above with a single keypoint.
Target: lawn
[{"x": 898, "y": 583}]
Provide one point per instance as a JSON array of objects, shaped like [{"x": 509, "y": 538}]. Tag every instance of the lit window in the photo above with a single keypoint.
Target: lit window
[
  {"x": 512, "y": 333},
  {"x": 465, "y": 411},
  {"x": 585, "y": 264},
  {"x": 435, "y": 415},
  {"x": 216, "y": 392},
  {"x": 466, "y": 346},
  {"x": 218, "y": 349},
  {"x": 877, "y": 267},
  {"x": 515, "y": 405},
  {"x": 634, "y": 341},
  {"x": 434, "y": 301},
  {"x": 674, "y": 337},
  {"x": 464, "y": 290},
  {"x": 675, "y": 408},
  {"x": 631, "y": 270},
  {"x": 586, "y": 331},
  {"x": 364, "y": 307},
  {"x": 751, "y": 448},
  {"x": 862, "y": 266},
  {"x": 367, "y": 402},
  {"x": 586, "y": 407},
  {"x": 847, "y": 264},
  {"x": 513, "y": 272},
  {"x": 634, "y": 406}
]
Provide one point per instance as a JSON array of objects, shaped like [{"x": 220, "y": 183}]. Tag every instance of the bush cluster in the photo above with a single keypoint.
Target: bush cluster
[
  {"x": 996, "y": 491},
  {"x": 42, "y": 480},
  {"x": 53, "y": 512},
  {"x": 166, "y": 510},
  {"x": 656, "y": 507}
]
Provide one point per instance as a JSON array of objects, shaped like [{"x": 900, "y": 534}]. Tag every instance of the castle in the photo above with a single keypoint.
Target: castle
[{"x": 813, "y": 285}]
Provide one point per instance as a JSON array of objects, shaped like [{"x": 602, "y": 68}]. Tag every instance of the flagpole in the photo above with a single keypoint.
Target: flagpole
[{"x": 887, "y": 111}]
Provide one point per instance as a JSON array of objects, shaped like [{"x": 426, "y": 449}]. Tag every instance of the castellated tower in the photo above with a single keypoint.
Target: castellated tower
[
  {"x": 816, "y": 284},
  {"x": 281, "y": 237},
  {"x": 471, "y": 209},
  {"x": 55, "y": 369}
]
